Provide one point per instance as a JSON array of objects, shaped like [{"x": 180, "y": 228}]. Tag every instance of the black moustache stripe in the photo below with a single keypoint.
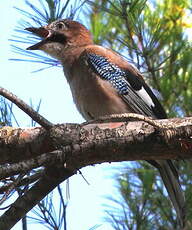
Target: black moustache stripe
[{"x": 60, "y": 38}]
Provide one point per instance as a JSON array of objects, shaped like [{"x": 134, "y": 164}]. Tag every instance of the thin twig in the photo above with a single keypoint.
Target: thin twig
[
  {"x": 83, "y": 177},
  {"x": 26, "y": 108},
  {"x": 26, "y": 165},
  {"x": 127, "y": 117},
  {"x": 36, "y": 193},
  {"x": 25, "y": 181},
  {"x": 10, "y": 189},
  {"x": 64, "y": 208},
  {"x": 124, "y": 117}
]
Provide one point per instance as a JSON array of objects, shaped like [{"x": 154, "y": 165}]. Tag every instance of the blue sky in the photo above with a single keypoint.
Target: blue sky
[{"x": 85, "y": 205}]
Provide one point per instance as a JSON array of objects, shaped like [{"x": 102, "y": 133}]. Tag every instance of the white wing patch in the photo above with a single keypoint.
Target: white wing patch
[{"x": 145, "y": 97}]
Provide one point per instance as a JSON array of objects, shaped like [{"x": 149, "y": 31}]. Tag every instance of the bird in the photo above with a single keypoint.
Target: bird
[{"x": 103, "y": 83}]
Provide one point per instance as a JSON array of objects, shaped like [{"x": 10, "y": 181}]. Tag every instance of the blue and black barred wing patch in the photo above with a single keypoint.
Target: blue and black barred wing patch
[{"x": 130, "y": 87}]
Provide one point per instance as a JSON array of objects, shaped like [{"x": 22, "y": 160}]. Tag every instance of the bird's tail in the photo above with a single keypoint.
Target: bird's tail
[{"x": 170, "y": 178}]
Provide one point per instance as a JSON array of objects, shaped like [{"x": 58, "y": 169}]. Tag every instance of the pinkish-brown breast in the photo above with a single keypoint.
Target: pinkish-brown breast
[{"x": 93, "y": 96}]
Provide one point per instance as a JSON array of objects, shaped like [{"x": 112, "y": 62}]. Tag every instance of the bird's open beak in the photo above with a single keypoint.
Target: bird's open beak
[{"x": 42, "y": 32}]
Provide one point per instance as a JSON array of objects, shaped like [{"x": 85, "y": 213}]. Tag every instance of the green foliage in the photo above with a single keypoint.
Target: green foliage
[
  {"x": 43, "y": 12},
  {"x": 47, "y": 214},
  {"x": 40, "y": 13},
  {"x": 152, "y": 35},
  {"x": 142, "y": 204},
  {"x": 6, "y": 113}
]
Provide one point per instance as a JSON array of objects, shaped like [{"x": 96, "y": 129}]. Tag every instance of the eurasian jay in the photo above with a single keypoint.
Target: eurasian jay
[{"x": 103, "y": 83}]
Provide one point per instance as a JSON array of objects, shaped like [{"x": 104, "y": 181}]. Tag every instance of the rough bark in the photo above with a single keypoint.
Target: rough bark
[
  {"x": 67, "y": 148},
  {"x": 100, "y": 142}
]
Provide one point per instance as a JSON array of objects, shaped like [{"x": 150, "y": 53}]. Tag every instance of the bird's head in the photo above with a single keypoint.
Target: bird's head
[{"x": 59, "y": 36}]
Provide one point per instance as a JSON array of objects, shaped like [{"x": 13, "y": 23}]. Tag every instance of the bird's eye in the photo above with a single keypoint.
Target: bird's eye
[{"x": 60, "y": 26}]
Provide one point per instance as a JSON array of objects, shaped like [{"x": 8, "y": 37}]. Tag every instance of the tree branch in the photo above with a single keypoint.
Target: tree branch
[
  {"x": 25, "y": 166},
  {"x": 20, "y": 144},
  {"x": 27, "y": 109},
  {"x": 38, "y": 191},
  {"x": 72, "y": 146},
  {"x": 25, "y": 181}
]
